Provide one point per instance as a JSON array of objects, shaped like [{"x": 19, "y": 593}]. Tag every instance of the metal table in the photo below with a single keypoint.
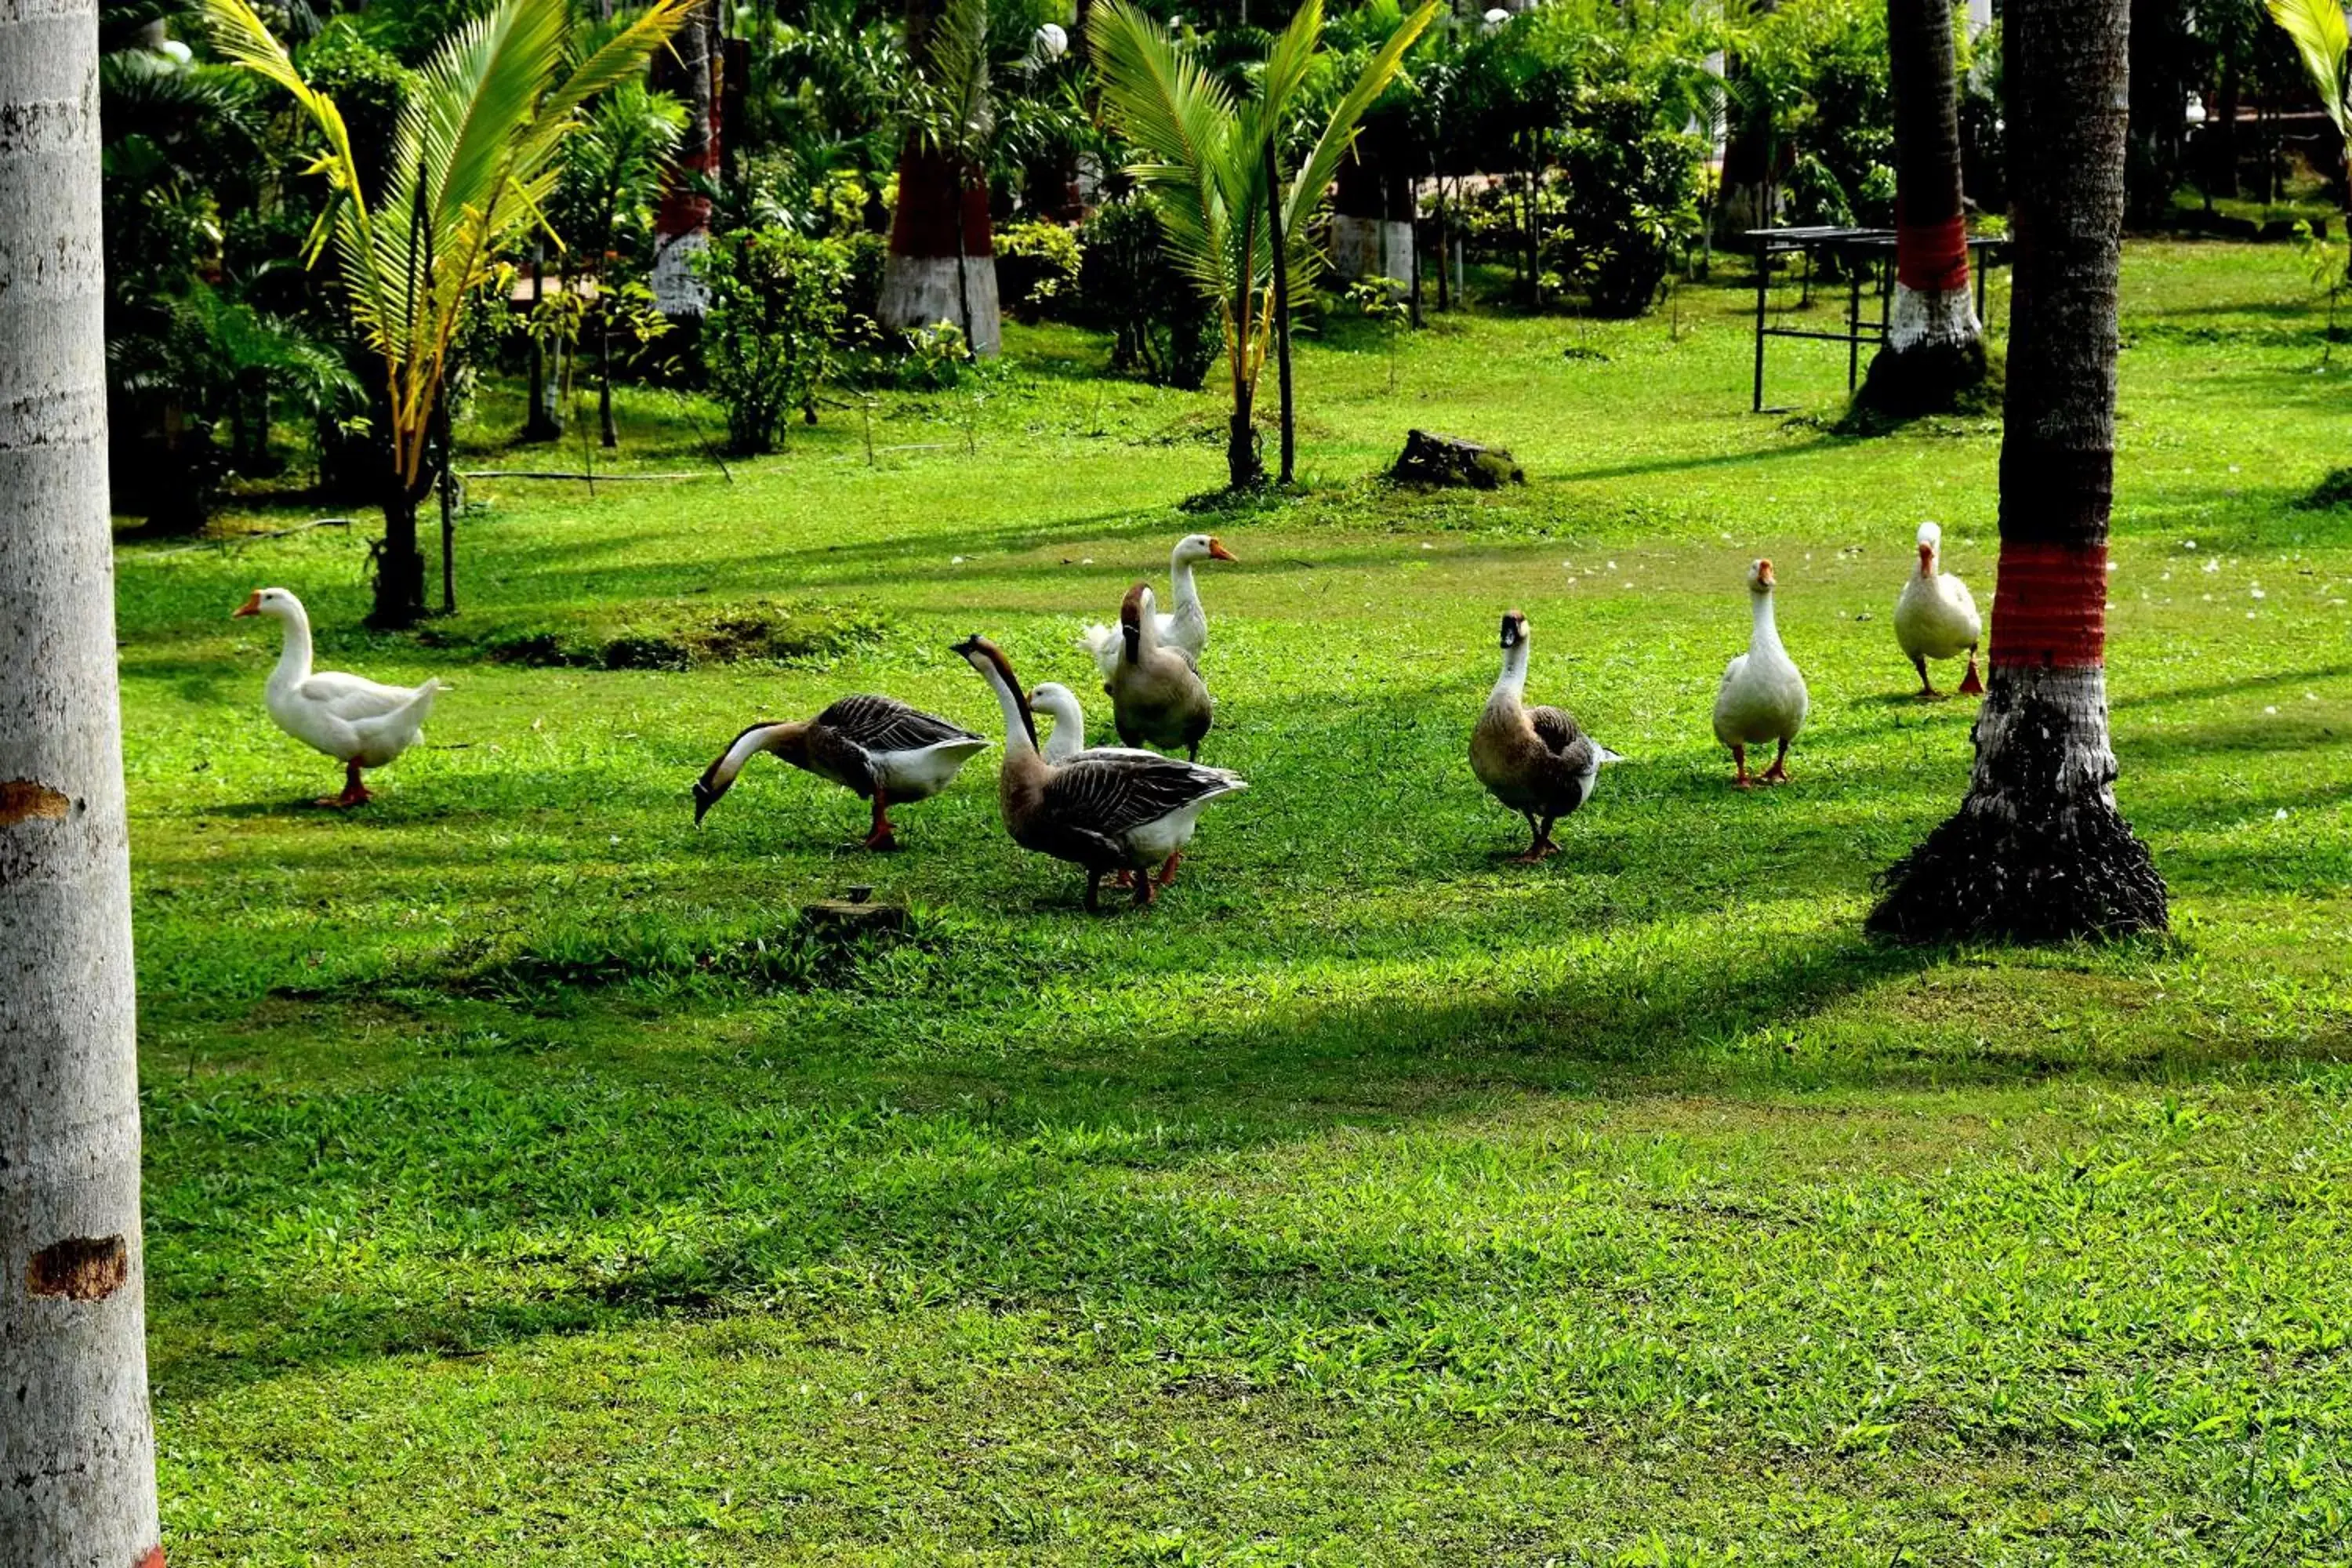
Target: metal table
[{"x": 1861, "y": 249}]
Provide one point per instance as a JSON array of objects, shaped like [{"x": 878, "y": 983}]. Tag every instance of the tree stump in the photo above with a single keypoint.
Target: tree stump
[
  {"x": 1449, "y": 461},
  {"x": 852, "y": 914}
]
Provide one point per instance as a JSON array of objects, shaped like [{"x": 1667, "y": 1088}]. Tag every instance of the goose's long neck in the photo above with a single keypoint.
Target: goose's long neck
[
  {"x": 1766, "y": 637},
  {"x": 294, "y": 658},
  {"x": 1069, "y": 736},
  {"x": 1016, "y": 722},
  {"x": 1512, "y": 684},
  {"x": 1184, "y": 594}
]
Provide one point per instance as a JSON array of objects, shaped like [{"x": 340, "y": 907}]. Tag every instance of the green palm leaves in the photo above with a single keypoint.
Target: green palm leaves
[
  {"x": 1202, "y": 152},
  {"x": 472, "y": 163},
  {"x": 2317, "y": 29}
]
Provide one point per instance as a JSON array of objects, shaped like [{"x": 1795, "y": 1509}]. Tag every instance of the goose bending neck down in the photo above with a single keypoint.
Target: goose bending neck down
[
  {"x": 875, "y": 747},
  {"x": 1104, "y": 810}
]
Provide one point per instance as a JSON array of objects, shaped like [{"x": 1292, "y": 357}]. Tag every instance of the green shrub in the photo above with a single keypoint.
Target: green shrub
[
  {"x": 1037, "y": 268},
  {"x": 768, "y": 338},
  {"x": 1633, "y": 197},
  {"x": 1162, "y": 327}
]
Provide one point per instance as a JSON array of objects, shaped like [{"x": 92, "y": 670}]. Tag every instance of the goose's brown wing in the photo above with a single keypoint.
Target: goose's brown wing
[
  {"x": 1114, "y": 793},
  {"x": 1556, "y": 729},
  {"x": 885, "y": 724}
]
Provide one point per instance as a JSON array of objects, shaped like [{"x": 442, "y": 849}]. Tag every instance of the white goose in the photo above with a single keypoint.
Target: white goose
[
  {"x": 1763, "y": 693},
  {"x": 1060, "y": 704},
  {"x": 1935, "y": 617},
  {"x": 1187, "y": 625},
  {"x": 360, "y": 723}
]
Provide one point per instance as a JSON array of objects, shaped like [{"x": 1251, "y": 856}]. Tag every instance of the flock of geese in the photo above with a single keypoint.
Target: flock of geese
[{"x": 1129, "y": 811}]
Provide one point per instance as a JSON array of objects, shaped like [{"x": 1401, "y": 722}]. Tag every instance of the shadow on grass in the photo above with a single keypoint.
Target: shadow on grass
[{"x": 516, "y": 1207}]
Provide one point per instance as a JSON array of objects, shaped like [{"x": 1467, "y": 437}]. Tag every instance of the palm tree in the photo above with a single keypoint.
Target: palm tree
[
  {"x": 612, "y": 171},
  {"x": 939, "y": 266},
  {"x": 75, "y": 1444},
  {"x": 1205, "y": 155},
  {"x": 1935, "y": 344},
  {"x": 2038, "y": 850},
  {"x": 472, "y": 167}
]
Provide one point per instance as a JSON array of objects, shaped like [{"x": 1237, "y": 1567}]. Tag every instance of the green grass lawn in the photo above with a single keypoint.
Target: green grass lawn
[{"x": 526, "y": 1185}]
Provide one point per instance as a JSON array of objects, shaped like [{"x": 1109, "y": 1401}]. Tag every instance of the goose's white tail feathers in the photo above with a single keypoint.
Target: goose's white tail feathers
[
  {"x": 1606, "y": 754},
  {"x": 1102, "y": 642}
]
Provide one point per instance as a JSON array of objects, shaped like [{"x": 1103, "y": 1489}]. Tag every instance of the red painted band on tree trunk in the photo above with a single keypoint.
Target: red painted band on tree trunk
[
  {"x": 1932, "y": 257},
  {"x": 930, "y": 196},
  {"x": 2050, "y": 606},
  {"x": 154, "y": 1558}
]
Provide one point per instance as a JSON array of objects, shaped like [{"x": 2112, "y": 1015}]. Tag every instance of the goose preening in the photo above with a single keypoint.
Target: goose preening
[
  {"x": 360, "y": 723},
  {"x": 1157, "y": 696},
  {"x": 1105, "y": 811},
  {"x": 1534, "y": 759},
  {"x": 1763, "y": 694},
  {"x": 1935, "y": 617},
  {"x": 1187, "y": 625},
  {"x": 875, "y": 747}
]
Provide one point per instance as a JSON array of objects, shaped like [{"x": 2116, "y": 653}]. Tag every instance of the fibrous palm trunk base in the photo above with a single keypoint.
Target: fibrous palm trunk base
[{"x": 2038, "y": 851}]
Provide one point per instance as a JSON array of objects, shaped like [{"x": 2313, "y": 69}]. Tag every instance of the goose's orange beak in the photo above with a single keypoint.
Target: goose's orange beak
[
  {"x": 252, "y": 606},
  {"x": 1217, "y": 550}
]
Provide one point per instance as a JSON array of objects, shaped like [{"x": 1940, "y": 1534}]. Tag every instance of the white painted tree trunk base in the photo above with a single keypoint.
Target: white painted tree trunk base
[
  {"x": 1932, "y": 318},
  {"x": 678, "y": 292},
  {"x": 920, "y": 291},
  {"x": 1372, "y": 248},
  {"x": 77, "y": 1451}
]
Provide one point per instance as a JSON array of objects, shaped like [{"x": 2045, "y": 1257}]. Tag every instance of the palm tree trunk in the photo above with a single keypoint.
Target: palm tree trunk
[
  {"x": 1243, "y": 469},
  {"x": 400, "y": 566},
  {"x": 1935, "y": 345},
  {"x": 77, "y": 1449},
  {"x": 541, "y": 422},
  {"x": 2038, "y": 850},
  {"x": 1281, "y": 311},
  {"x": 608, "y": 432}
]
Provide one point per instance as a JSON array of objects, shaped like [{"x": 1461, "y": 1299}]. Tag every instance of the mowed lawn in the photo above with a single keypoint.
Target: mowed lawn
[{"x": 527, "y": 1184}]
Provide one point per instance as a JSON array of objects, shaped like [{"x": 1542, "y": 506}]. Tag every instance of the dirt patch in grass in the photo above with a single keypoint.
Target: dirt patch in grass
[{"x": 682, "y": 636}]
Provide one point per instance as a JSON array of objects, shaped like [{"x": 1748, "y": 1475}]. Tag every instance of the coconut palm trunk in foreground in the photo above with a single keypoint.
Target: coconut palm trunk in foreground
[
  {"x": 2038, "y": 851},
  {"x": 76, "y": 1453},
  {"x": 1935, "y": 344}
]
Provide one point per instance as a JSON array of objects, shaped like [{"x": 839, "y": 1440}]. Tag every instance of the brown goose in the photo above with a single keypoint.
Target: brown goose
[
  {"x": 1534, "y": 759},
  {"x": 1104, "y": 810},
  {"x": 1157, "y": 696},
  {"x": 875, "y": 747}
]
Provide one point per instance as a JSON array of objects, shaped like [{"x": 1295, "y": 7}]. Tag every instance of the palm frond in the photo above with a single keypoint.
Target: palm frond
[
  {"x": 471, "y": 172},
  {"x": 1180, "y": 120},
  {"x": 960, "y": 116},
  {"x": 1322, "y": 165},
  {"x": 2318, "y": 31}
]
